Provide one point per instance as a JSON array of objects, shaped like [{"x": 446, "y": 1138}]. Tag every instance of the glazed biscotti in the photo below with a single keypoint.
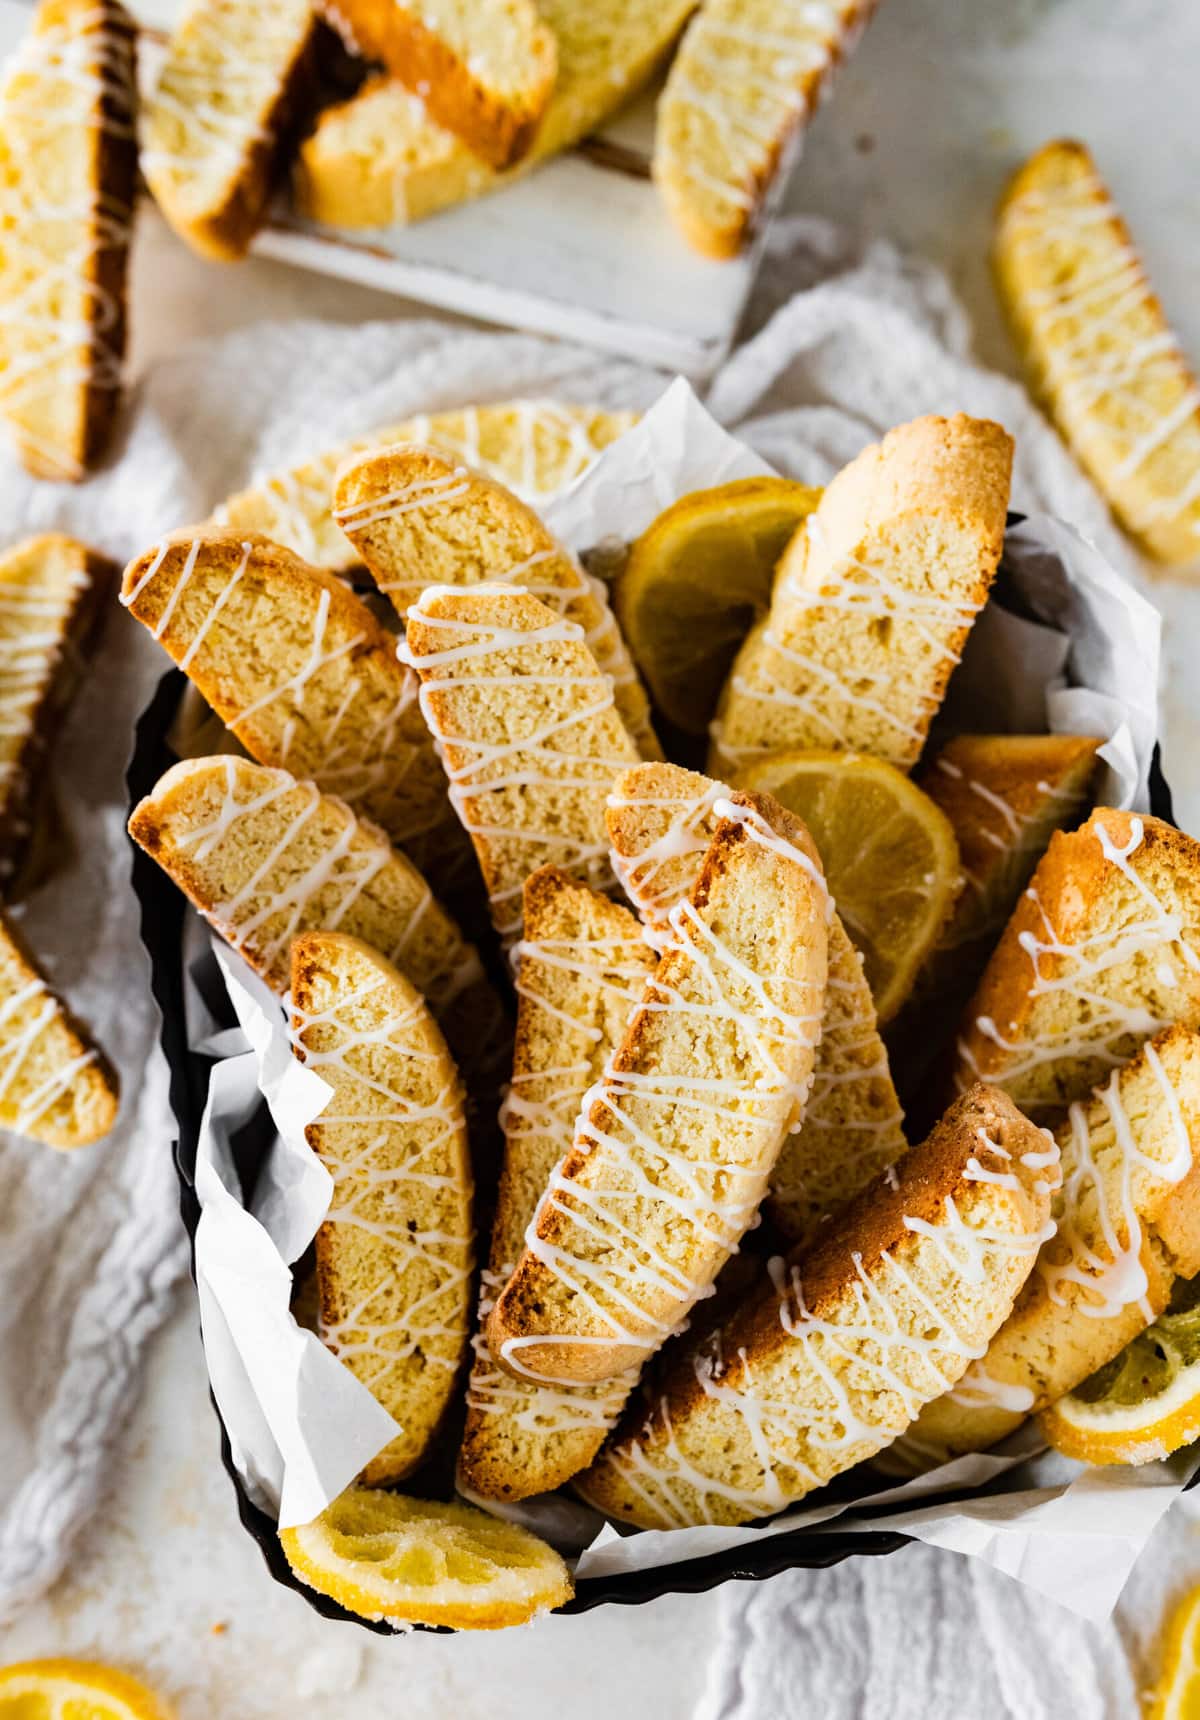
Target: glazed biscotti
[
  {"x": 418, "y": 518},
  {"x": 67, "y": 165},
  {"x": 744, "y": 85},
  {"x": 304, "y": 676},
  {"x": 661, "y": 820},
  {"x": 1127, "y": 1211},
  {"x": 52, "y": 589},
  {"x": 843, "y": 1344},
  {"x": 536, "y": 447},
  {"x": 675, "y": 1146},
  {"x": 393, "y": 1255},
  {"x": 483, "y": 72},
  {"x": 1102, "y": 951},
  {"x": 873, "y": 600},
  {"x": 527, "y": 731},
  {"x": 379, "y": 160},
  {"x": 581, "y": 966},
  {"x": 214, "y": 132},
  {"x": 1099, "y": 351},
  {"x": 56, "y": 1086}
]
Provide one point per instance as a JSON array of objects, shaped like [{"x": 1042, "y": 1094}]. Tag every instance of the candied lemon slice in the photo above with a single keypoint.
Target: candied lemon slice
[
  {"x": 1176, "y": 1696},
  {"x": 74, "y": 1690},
  {"x": 696, "y": 580},
  {"x": 419, "y": 1561},
  {"x": 889, "y": 854},
  {"x": 1143, "y": 1404}
]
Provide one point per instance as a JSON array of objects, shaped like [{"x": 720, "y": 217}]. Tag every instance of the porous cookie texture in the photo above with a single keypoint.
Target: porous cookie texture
[
  {"x": 842, "y": 1344},
  {"x": 873, "y": 600},
  {"x": 418, "y": 517},
  {"x": 483, "y": 71},
  {"x": 1098, "y": 349},
  {"x": 264, "y": 857},
  {"x": 67, "y": 173},
  {"x": 1128, "y": 1223},
  {"x": 744, "y": 86},
  {"x": 675, "y": 1146},
  {"x": 581, "y": 966},
  {"x": 527, "y": 730},
  {"x": 661, "y": 820},
  {"x": 1102, "y": 951},
  {"x": 55, "y": 1084},
  {"x": 394, "y": 1253},
  {"x": 214, "y": 132},
  {"x": 379, "y": 160},
  {"x": 51, "y": 591},
  {"x": 303, "y": 674},
  {"x": 536, "y": 447}
]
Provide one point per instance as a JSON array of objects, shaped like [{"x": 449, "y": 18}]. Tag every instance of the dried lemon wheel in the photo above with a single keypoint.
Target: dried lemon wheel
[
  {"x": 418, "y": 1561},
  {"x": 1143, "y": 1404},
  {"x": 74, "y": 1690},
  {"x": 889, "y": 854},
  {"x": 1176, "y": 1696},
  {"x": 696, "y": 580}
]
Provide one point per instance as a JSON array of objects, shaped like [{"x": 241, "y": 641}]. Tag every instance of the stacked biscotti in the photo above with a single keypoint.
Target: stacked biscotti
[{"x": 722, "y": 1269}]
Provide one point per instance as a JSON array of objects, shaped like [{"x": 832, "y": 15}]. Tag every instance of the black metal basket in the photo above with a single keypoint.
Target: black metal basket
[{"x": 162, "y": 921}]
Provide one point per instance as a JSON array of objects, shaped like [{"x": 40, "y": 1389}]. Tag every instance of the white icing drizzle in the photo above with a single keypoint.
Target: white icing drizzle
[
  {"x": 66, "y": 87},
  {"x": 646, "y": 1124},
  {"x": 736, "y": 92},
  {"x": 31, "y": 1019},
  {"x": 34, "y": 640},
  {"x": 1106, "y": 352},
  {"x": 410, "y": 1284},
  {"x": 785, "y": 676},
  {"x": 859, "y": 1377},
  {"x": 1106, "y": 1014},
  {"x": 555, "y": 746}
]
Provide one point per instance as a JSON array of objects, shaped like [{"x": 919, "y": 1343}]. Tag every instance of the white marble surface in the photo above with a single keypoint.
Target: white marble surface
[{"x": 941, "y": 100}]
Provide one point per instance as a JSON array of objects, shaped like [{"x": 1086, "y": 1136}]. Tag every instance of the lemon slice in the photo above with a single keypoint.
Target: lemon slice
[
  {"x": 74, "y": 1690},
  {"x": 1176, "y": 1696},
  {"x": 1143, "y": 1404},
  {"x": 696, "y": 580},
  {"x": 889, "y": 854},
  {"x": 418, "y": 1561}
]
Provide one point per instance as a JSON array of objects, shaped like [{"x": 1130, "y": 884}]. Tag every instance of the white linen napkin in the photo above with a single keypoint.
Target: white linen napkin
[{"x": 842, "y": 346}]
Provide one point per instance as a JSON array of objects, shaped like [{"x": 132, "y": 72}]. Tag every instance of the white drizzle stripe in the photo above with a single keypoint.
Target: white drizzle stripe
[
  {"x": 640, "y": 1130},
  {"x": 1092, "y": 980},
  {"x": 40, "y": 1059},
  {"x": 68, "y": 90},
  {"x": 395, "y": 1251},
  {"x": 563, "y": 742},
  {"x": 1114, "y": 369}
]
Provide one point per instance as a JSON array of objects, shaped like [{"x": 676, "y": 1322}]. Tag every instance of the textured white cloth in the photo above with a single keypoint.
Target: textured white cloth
[{"x": 90, "y": 1242}]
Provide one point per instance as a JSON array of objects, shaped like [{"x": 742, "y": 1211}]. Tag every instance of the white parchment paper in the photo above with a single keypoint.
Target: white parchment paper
[{"x": 1068, "y": 646}]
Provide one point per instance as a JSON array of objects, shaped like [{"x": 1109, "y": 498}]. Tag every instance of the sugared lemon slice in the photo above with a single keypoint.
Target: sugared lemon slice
[{"x": 74, "y": 1690}]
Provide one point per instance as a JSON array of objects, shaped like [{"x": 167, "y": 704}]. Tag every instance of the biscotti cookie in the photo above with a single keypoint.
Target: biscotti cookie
[
  {"x": 581, "y": 966},
  {"x": 873, "y": 600},
  {"x": 418, "y": 518},
  {"x": 744, "y": 85},
  {"x": 661, "y": 820},
  {"x": 264, "y": 857},
  {"x": 1128, "y": 1223},
  {"x": 378, "y": 160},
  {"x": 484, "y": 72},
  {"x": 68, "y": 166},
  {"x": 536, "y": 447},
  {"x": 1102, "y": 950},
  {"x": 675, "y": 1147},
  {"x": 55, "y": 1085},
  {"x": 527, "y": 730},
  {"x": 51, "y": 592},
  {"x": 394, "y": 1251},
  {"x": 843, "y": 1344},
  {"x": 214, "y": 132},
  {"x": 303, "y": 674},
  {"x": 1099, "y": 351}
]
